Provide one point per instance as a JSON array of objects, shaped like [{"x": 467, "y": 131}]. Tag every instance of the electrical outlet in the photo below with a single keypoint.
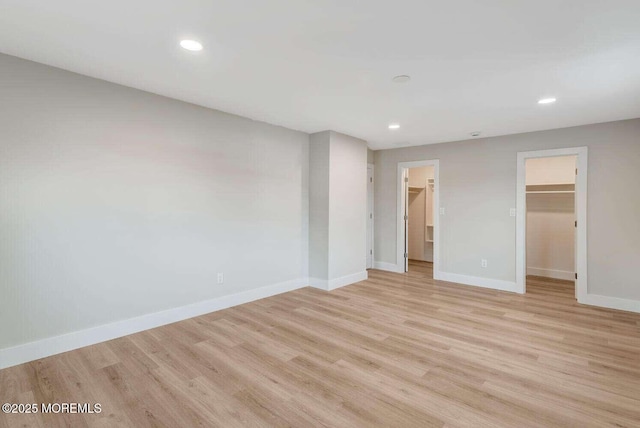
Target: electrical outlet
[
  {"x": 484, "y": 263},
  {"x": 441, "y": 211},
  {"x": 220, "y": 277}
]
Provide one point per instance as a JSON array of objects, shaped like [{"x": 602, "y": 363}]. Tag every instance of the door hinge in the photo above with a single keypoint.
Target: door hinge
[
  {"x": 371, "y": 252},
  {"x": 406, "y": 179},
  {"x": 406, "y": 255},
  {"x": 576, "y": 276},
  {"x": 370, "y": 215},
  {"x": 406, "y": 217},
  {"x": 371, "y": 179},
  {"x": 576, "y": 223},
  {"x": 576, "y": 171}
]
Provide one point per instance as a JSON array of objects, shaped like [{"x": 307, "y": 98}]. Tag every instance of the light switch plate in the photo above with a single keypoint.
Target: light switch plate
[
  {"x": 441, "y": 211},
  {"x": 512, "y": 212}
]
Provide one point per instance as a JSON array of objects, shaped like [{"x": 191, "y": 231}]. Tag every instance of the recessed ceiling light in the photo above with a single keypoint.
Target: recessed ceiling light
[
  {"x": 547, "y": 100},
  {"x": 191, "y": 45},
  {"x": 475, "y": 134},
  {"x": 394, "y": 126},
  {"x": 403, "y": 78}
]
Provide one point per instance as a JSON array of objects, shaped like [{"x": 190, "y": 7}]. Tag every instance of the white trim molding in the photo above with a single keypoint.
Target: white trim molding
[
  {"x": 581, "y": 215},
  {"x": 332, "y": 284},
  {"x": 612, "y": 302},
  {"x": 551, "y": 273},
  {"x": 477, "y": 281},
  {"x": 389, "y": 267},
  {"x": 372, "y": 230},
  {"x": 78, "y": 339},
  {"x": 400, "y": 232}
]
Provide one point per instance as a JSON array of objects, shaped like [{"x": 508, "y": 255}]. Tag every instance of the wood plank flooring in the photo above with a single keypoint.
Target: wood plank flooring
[
  {"x": 420, "y": 269},
  {"x": 396, "y": 350}
]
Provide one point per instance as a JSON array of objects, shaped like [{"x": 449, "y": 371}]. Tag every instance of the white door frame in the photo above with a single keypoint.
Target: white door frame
[
  {"x": 371, "y": 204},
  {"x": 400, "y": 231},
  {"x": 581, "y": 216}
]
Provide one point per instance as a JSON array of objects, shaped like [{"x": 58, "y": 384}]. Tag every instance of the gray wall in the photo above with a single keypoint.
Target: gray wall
[
  {"x": 478, "y": 187},
  {"x": 319, "y": 162},
  {"x": 338, "y": 205},
  {"x": 371, "y": 157},
  {"x": 347, "y": 206},
  {"x": 116, "y": 203}
]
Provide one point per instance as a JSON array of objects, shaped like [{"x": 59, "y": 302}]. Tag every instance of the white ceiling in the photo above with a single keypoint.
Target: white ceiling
[{"x": 314, "y": 65}]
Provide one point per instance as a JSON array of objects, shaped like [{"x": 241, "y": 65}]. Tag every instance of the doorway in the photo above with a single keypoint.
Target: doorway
[
  {"x": 551, "y": 220},
  {"x": 418, "y": 224},
  {"x": 550, "y": 223}
]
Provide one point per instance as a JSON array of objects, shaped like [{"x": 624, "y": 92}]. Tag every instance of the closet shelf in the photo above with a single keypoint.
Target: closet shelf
[
  {"x": 549, "y": 191},
  {"x": 551, "y": 188}
]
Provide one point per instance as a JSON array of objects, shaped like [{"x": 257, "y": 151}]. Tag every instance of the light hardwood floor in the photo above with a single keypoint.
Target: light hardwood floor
[
  {"x": 420, "y": 269},
  {"x": 396, "y": 350}
]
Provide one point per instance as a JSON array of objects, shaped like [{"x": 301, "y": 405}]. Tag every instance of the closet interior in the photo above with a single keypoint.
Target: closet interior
[
  {"x": 420, "y": 221},
  {"x": 550, "y": 219}
]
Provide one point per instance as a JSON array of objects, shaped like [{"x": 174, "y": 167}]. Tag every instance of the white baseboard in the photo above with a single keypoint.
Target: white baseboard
[
  {"x": 389, "y": 267},
  {"x": 496, "y": 284},
  {"x": 612, "y": 302},
  {"x": 78, "y": 339},
  {"x": 551, "y": 273},
  {"x": 590, "y": 299},
  {"x": 322, "y": 284},
  {"x": 348, "y": 279},
  {"x": 332, "y": 284}
]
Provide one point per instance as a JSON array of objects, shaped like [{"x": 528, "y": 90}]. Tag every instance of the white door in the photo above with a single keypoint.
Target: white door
[
  {"x": 369, "y": 216},
  {"x": 575, "y": 232},
  {"x": 405, "y": 183}
]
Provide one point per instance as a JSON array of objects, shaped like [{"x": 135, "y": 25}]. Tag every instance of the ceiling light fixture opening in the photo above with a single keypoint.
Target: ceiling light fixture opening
[
  {"x": 394, "y": 126},
  {"x": 191, "y": 45},
  {"x": 475, "y": 134},
  {"x": 549, "y": 100}
]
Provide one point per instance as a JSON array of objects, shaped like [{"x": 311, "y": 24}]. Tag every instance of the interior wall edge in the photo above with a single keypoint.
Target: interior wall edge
[
  {"x": 343, "y": 281},
  {"x": 389, "y": 267}
]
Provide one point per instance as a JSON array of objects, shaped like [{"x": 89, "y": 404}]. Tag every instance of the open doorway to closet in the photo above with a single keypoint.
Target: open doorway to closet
[
  {"x": 418, "y": 223},
  {"x": 551, "y": 224}
]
